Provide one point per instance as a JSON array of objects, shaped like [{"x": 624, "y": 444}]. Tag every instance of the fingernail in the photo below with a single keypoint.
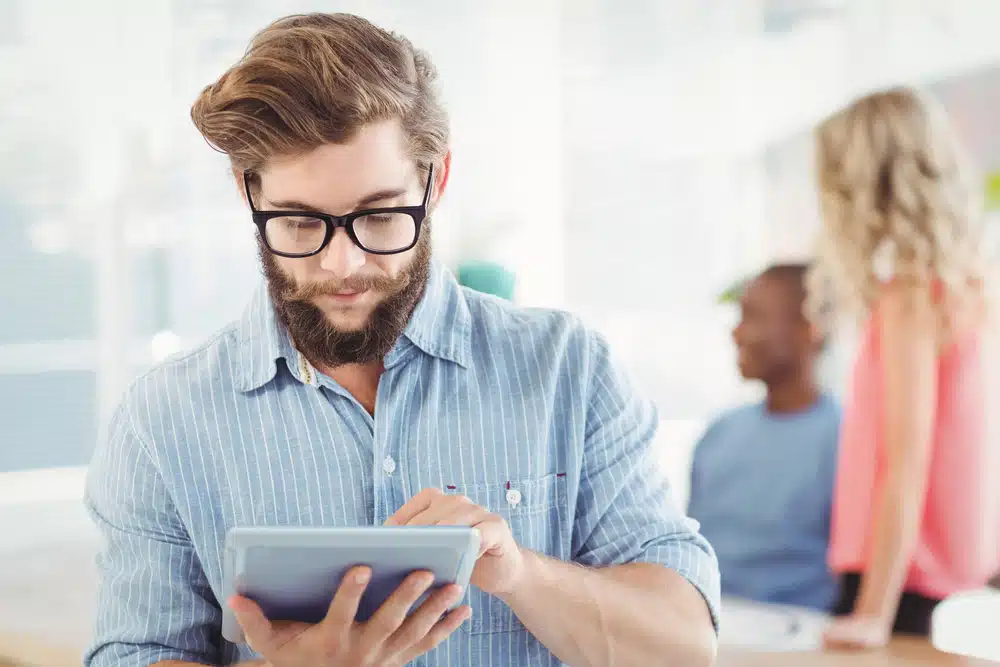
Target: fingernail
[{"x": 362, "y": 576}]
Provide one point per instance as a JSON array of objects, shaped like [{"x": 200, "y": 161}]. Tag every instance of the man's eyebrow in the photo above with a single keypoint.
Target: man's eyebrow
[{"x": 381, "y": 195}]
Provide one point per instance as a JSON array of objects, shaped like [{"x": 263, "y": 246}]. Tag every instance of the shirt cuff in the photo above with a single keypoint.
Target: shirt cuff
[
  {"x": 118, "y": 654},
  {"x": 697, "y": 566}
]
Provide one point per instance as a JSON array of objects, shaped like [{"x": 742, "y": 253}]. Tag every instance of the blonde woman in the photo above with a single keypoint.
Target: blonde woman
[{"x": 901, "y": 248}]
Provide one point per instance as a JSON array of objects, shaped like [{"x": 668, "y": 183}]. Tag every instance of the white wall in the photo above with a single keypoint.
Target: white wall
[{"x": 629, "y": 161}]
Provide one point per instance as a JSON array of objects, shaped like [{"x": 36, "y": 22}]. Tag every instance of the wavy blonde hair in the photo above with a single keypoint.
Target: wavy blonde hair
[{"x": 892, "y": 180}]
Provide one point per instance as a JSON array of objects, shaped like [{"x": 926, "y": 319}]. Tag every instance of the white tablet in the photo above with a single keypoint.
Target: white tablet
[{"x": 293, "y": 572}]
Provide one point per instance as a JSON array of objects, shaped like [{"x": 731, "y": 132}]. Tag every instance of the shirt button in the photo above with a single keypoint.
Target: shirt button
[
  {"x": 513, "y": 497},
  {"x": 389, "y": 465}
]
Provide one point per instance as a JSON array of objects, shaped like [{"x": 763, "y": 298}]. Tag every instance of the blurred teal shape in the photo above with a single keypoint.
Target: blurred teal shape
[{"x": 487, "y": 277}]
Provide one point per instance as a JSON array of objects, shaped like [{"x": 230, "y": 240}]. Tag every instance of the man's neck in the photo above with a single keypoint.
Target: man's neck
[
  {"x": 795, "y": 393},
  {"x": 360, "y": 380}
]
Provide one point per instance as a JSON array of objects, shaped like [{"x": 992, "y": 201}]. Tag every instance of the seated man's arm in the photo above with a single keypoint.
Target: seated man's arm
[
  {"x": 650, "y": 591},
  {"x": 154, "y": 602}
]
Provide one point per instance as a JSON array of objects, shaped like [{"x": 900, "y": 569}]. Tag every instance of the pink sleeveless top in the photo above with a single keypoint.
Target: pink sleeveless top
[{"x": 955, "y": 552}]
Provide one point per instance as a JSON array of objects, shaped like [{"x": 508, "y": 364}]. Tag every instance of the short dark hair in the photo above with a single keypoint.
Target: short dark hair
[{"x": 793, "y": 275}]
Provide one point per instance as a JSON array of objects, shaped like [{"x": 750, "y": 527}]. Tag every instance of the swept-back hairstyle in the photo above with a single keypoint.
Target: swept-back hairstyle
[{"x": 314, "y": 79}]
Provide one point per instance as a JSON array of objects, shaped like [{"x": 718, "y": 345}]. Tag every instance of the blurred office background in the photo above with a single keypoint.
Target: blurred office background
[{"x": 628, "y": 160}]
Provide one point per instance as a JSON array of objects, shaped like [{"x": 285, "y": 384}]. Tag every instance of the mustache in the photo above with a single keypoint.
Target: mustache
[{"x": 312, "y": 290}]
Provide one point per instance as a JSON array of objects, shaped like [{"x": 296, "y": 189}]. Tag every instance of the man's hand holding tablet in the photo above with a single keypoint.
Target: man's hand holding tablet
[
  {"x": 393, "y": 635},
  {"x": 390, "y": 637}
]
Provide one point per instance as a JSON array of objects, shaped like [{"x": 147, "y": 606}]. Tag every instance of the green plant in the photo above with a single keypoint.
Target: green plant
[{"x": 732, "y": 293}]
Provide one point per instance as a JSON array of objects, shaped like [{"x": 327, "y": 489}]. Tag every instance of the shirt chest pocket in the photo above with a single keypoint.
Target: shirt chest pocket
[{"x": 539, "y": 518}]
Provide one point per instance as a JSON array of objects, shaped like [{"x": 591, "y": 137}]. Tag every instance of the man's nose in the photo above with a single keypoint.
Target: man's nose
[{"x": 342, "y": 257}]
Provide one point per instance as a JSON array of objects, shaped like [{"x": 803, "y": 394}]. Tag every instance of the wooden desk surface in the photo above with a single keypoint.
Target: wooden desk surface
[
  {"x": 901, "y": 653},
  {"x": 25, "y": 652},
  {"x": 18, "y": 650}
]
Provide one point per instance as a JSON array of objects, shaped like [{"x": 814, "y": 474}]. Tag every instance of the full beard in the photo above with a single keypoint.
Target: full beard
[{"x": 318, "y": 339}]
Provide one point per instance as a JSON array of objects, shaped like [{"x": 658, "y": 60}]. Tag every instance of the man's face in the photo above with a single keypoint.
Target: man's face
[
  {"x": 344, "y": 305},
  {"x": 772, "y": 337}
]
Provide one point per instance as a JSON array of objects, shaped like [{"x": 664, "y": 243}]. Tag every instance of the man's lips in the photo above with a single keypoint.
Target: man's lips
[{"x": 344, "y": 296}]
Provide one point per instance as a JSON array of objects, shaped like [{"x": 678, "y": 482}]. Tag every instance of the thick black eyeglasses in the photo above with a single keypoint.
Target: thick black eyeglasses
[{"x": 379, "y": 231}]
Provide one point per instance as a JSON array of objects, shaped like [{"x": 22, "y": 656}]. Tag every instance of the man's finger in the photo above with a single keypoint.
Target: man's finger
[
  {"x": 257, "y": 630},
  {"x": 414, "y": 506},
  {"x": 441, "y": 631},
  {"x": 344, "y": 606},
  {"x": 457, "y": 511},
  {"x": 422, "y": 620},
  {"x": 464, "y": 516},
  {"x": 387, "y": 618}
]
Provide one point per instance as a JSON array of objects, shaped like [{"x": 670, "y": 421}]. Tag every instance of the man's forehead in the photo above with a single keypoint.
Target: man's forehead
[
  {"x": 335, "y": 191},
  {"x": 771, "y": 288},
  {"x": 373, "y": 159}
]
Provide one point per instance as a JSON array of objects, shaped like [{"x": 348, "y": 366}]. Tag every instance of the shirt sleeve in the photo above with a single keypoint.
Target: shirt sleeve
[
  {"x": 154, "y": 602},
  {"x": 626, "y": 510}
]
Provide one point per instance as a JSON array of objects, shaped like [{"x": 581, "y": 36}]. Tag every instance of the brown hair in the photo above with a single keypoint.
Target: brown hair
[{"x": 314, "y": 79}]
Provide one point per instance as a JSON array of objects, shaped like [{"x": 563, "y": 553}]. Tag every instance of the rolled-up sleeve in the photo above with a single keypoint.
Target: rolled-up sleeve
[
  {"x": 154, "y": 602},
  {"x": 626, "y": 510}
]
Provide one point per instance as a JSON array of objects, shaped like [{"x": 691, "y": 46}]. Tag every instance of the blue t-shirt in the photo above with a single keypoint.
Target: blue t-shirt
[{"x": 761, "y": 486}]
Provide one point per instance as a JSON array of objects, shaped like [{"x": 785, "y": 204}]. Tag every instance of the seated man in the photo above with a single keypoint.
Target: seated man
[
  {"x": 363, "y": 386},
  {"x": 762, "y": 476}
]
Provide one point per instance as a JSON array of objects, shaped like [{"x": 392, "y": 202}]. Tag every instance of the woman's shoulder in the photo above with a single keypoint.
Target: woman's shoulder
[{"x": 933, "y": 306}]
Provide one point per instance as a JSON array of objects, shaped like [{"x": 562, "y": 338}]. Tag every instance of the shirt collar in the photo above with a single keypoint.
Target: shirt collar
[
  {"x": 440, "y": 326},
  {"x": 262, "y": 340}
]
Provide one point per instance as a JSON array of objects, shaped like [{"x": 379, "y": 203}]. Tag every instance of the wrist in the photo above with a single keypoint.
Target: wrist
[
  {"x": 875, "y": 612},
  {"x": 880, "y": 612},
  {"x": 531, "y": 572},
  {"x": 879, "y": 597}
]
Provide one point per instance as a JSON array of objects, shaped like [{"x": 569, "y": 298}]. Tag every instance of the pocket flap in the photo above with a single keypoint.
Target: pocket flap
[{"x": 517, "y": 497}]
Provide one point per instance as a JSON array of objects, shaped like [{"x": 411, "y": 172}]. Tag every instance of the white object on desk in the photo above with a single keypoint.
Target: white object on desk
[
  {"x": 48, "y": 485},
  {"x": 48, "y": 579},
  {"x": 763, "y": 627},
  {"x": 966, "y": 624}
]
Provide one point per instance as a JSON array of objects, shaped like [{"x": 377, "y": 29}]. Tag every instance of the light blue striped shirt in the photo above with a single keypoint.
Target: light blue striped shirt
[{"x": 477, "y": 395}]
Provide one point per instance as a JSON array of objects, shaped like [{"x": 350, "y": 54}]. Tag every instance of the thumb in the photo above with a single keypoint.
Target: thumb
[{"x": 491, "y": 538}]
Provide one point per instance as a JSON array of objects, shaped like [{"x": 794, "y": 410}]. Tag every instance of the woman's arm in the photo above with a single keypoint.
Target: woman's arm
[{"x": 909, "y": 351}]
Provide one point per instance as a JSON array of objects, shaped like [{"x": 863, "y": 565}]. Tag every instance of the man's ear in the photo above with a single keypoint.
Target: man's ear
[
  {"x": 441, "y": 175},
  {"x": 817, "y": 336},
  {"x": 238, "y": 180}
]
